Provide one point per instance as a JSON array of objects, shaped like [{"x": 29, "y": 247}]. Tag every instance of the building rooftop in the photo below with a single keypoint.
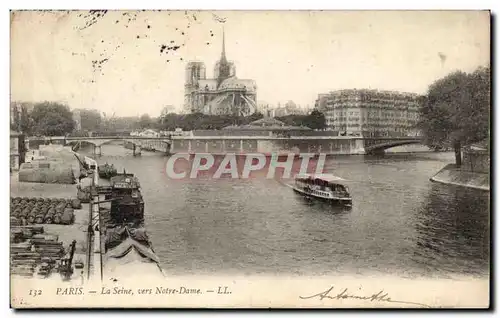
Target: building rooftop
[
  {"x": 369, "y": 90},
  {"x": 266, "y": 124}
]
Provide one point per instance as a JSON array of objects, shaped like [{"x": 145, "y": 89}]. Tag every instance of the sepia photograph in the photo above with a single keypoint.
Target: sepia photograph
[{"x": 250, "y": 159}]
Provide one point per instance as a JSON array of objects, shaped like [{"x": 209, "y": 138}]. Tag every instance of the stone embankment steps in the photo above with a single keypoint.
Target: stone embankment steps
[{"x": 453, "y": 175}]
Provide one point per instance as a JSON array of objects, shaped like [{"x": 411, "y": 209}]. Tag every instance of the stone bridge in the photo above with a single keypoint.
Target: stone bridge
[{"x": 138, "y": 143}]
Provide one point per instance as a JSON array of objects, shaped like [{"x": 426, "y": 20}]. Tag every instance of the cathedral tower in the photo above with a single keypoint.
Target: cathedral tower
[{"x": 195, "y": 71}]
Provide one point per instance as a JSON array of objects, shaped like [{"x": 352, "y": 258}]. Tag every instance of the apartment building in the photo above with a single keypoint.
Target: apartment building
[{"x": 370, "y": 113}]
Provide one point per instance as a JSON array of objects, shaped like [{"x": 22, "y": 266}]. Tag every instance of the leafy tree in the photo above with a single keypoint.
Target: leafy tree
[
  {"x": 90, "y": 119},
  {"x": 201, "y": 121},
  {"x": 456, "y": 109},
  {"x": 255, "y": 116},
  {"x": 315, "y": 120},
  {"x": 52, "y": 119},
  {"x": 145, "y": 121}
]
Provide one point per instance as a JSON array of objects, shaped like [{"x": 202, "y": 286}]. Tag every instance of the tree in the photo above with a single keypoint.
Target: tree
[
  {"x": 255, "y": 116},
  {"x": 315, "y": 120},
  {"x": 196, "y": 121},
  {"x": 145, "y": 121},
  {"x": 456, "y": 109},
  {"x": 90, "y": 119},
  {"x": 52, "y": 119}
]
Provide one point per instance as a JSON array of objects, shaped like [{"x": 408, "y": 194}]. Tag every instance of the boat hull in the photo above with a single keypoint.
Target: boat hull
[{"x": 339, "y": 201}]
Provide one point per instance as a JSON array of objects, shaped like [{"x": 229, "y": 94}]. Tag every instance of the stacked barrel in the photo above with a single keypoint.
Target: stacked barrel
[{"x": 25, "y": 210}]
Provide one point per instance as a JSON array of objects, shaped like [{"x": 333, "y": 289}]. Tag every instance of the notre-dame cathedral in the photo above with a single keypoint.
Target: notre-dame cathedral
[{"x": 224, "y": 94}]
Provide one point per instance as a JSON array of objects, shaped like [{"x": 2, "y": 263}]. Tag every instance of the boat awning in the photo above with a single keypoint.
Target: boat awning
[
  {"x": 132, "y": 247},
  {"x": 323, "y": 177},
  {"x": 131, "y": 264},
  {"x": 131, "y": 258}
]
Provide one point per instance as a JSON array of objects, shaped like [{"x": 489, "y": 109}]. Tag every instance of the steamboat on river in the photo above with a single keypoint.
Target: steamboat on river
[{"x": 323, "y": 187}]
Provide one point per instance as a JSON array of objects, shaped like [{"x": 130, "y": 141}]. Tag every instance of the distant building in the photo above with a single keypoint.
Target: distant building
[
  {"x": 148, "y": 133},
  {"x": 264, "y": 108},
  {"x": 17, "y": 150},
  {"x": 17, "y": 111},
  {"x": 167, "y": 110},
  {"x": 370, "y": 113},
  {"x": 224, "y": 94},
  {"x": 290, "y": 108},
  {"x": 320, "y": 103}
]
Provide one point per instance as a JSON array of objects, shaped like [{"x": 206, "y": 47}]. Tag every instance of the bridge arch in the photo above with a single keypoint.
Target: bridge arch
[
  {"x": 75, "y": 142},
  {"x": 377, "y": 148}
]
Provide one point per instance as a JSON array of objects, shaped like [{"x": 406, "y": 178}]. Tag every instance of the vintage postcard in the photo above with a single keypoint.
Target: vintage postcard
[{"x": 250, "y": 159}]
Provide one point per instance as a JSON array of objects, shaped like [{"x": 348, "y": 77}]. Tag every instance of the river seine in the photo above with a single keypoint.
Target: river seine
[{"x": 400, "y": 222}]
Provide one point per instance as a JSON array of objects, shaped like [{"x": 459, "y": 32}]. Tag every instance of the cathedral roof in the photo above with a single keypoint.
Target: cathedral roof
[
  {"x": 211, "y": 83},
  {"x": 234, "y": 82}
]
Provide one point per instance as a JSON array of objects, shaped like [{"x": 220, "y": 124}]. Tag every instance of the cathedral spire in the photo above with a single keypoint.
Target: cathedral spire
[
  {"x": 223, "y": 66},
  {"x": 223, "y": 54}
]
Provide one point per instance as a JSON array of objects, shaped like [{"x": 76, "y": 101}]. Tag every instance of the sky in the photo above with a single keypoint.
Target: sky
[{"x": 128, "y": 63}]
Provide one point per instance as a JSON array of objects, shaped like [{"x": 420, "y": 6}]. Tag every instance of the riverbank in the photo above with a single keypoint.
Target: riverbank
[
  {"x": 61, "y": 157},
  {"x": 65, "y": 233},
  {"x": 453, "y": 175}
]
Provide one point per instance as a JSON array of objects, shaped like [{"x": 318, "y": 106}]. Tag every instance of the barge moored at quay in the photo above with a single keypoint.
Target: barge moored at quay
[{"x": 127, "y": 246}]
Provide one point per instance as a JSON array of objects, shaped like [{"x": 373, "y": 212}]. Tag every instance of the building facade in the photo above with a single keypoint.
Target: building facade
[
  {"x": 320, "y": 104},
  {"x": 224, "y": 94},
  {"x": 370, "y": 113},
  {"x": 17, "y": 150},
  {"x": 289, "y": 108},
  {"x": 19, "y": 112}
]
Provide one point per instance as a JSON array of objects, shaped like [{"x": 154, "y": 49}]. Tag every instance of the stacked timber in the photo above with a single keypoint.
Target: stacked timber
[
  {"x": 43, "y": 210},
  {"x": 32, "y": 251}
]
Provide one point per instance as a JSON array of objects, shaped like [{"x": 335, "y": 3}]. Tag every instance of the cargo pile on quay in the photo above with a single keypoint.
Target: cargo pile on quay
[
  {"x": 32, "y": 210},
  {"x": 35, "y": 253}
]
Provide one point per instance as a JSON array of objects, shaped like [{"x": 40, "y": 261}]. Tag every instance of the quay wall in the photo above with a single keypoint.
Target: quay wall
[
  {"x": 453, "y": 175},
  {"x": 475, "y": 161},
  {"x": 224, "y": 144}
]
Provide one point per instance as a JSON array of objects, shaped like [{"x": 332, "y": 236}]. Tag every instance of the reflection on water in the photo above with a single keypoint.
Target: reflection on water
[
  {"x": 453, "y": 224},
  {"x": 400, "y": 223}
]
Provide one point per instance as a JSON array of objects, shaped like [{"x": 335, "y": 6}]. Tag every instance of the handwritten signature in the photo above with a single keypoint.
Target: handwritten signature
[{"x": 380, "y": 296}]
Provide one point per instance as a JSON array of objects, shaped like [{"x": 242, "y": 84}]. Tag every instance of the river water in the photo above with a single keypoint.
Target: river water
[{"x": 400, "y": 223}]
